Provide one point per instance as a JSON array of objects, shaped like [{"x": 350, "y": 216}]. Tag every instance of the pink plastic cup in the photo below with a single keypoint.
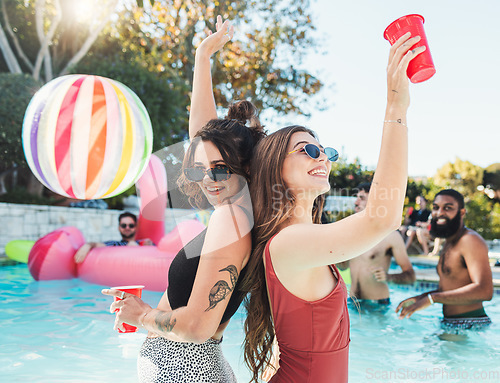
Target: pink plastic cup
[
  {"x": 136, "y": 290},
  {"x": 421, "y": 68}
]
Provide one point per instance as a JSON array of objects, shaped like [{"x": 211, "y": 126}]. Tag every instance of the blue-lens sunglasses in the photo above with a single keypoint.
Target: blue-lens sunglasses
[{"x": 314, "y": 152}]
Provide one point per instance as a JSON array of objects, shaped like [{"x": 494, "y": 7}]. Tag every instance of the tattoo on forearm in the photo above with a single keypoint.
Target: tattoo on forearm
[
  {"x": 164, "y": 321},
  {"x": 395, "y": 91},
  {"x": 222, "y": 289}
]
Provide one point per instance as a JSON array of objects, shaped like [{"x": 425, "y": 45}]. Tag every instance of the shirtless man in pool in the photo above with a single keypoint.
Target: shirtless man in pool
[
  {"x": 465, "y": 279},
  {"x": 369, "y": 271}
]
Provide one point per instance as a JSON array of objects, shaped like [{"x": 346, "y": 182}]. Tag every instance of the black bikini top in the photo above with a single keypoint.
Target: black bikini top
[{"x": 182, "y": 273}]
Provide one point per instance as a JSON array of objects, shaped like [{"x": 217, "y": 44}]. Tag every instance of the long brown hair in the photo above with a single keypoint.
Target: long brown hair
[
  {"x": 272, "y": 207},
  {"x": 235, "y": 140}
]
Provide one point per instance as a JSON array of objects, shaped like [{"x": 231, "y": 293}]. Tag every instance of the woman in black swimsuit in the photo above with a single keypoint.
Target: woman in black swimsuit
[{"x": 185, "y": 330}]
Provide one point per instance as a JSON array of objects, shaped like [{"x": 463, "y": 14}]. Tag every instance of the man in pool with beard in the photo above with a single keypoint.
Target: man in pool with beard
[
  {"x": 369, "y": 271},
  {"x": 465, "y": 279},
  {"x": 127, "y": 226}
]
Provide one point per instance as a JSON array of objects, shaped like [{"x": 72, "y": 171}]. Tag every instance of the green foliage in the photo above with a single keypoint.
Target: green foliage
[
  {"x": 71, "y": 34},
  {"x": 261, "y": 64},
  {"x": 495, "y": 221},
  {"x": 491, "y": 177},
  {"x": 418, "y": 187},
  {"x": 116, "y": 202},
  {"x": 462, "y": 176},
  {"x": 483, "y": 216},
  {"x": 16, "y": 93},
  {"x": 21, "y": 15},
  {"x": 345, "y": 177},
  {"x": 140, "y": 3},
  {"x": 21, "y": 195}
]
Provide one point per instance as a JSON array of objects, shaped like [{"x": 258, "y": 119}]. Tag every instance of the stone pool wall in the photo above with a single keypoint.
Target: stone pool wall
[{"x": 19, "y": 221}]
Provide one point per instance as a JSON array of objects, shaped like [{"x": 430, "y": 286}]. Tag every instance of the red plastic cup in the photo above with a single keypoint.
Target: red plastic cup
[
  {"x": 421, "y": 68},
  {"x": 136, "y": 290}
]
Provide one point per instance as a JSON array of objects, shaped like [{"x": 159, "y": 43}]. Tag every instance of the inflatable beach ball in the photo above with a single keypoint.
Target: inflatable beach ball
[{"x": 86, "y": 137}]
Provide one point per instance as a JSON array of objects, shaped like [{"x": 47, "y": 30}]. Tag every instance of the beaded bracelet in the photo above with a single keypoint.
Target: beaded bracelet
[{"x": 397, "y": 122}]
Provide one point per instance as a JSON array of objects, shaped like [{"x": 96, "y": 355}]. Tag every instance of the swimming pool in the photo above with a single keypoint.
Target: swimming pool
[{"x": 61, "y": 331}]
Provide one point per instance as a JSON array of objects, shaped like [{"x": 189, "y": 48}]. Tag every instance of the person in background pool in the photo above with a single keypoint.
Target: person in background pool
[
  {"x": 369, "y": 271},
  {"x": 127, "y": 226},
  {"x": 296, "y": 293},
  {"x": 185, "y": 330},
  {"x": 416, "y": 225},
  {"x": 465, "y": 279}
]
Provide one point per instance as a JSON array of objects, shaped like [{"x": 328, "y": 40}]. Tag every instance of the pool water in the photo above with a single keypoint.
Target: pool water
[{"x": 62, "y": 331}]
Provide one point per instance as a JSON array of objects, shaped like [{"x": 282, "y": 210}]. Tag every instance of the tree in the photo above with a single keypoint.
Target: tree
[
  {"x": 152, "y": 51},
  {"x": 17, "y": 91},
  {"x": 64, "y": 29},
  {"x": 483, "y": 216},
  {"x": 38, "y": 40},
  {"x": 262, "y": 63},
  {"x": 492, "y": 176},
  {"x": 345, "y": 177},
  {"x": 463, "y": 176},
  {"x": 46, "y": 38},
  {"x": 417, "y": 187}
]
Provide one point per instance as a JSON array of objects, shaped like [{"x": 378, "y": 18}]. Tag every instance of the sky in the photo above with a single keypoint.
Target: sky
[{"x": 453, "y": 114}]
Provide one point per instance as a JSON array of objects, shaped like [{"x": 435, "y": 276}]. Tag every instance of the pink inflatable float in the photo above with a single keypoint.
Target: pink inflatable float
[
  {"x": 52, "y": 256},
  {"x": 137, "y": 265}
]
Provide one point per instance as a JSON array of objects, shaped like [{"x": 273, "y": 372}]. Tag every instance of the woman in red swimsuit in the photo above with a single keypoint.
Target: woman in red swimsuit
[{"x": 297, "y": 295}]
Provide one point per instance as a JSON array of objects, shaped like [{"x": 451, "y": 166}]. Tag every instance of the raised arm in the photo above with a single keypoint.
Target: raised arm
[
  {"x": 203, "y": 107},
  {"x": 356, "y": 234},
  {"x": 218, "y": 271}
]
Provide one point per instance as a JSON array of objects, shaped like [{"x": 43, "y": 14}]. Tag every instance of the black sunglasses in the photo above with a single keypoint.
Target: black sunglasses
[
  {"x": 217, "y": 173},
  {"x": 314, "y": 152},
  {"x": 124, "y": 225}
]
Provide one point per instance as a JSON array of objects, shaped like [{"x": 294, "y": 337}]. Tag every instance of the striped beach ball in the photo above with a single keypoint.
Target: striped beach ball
[{"x": 86, "y": 137}]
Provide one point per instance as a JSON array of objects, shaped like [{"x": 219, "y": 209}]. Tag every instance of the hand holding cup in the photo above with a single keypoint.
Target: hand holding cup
[
  {"x": 400, "y": 57},
  {"x": 421, "y": 68},
  {"x": 128, "y": 306}
]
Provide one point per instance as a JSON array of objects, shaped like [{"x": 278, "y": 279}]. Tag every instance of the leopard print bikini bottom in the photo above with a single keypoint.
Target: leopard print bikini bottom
[{"x": 164, "y": 361}]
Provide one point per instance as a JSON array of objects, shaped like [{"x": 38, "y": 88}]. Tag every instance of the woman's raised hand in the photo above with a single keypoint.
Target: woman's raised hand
[
  {"x": 215, "y": 41},
  {"x": 203, "y": 108},
  {"x": 397, "y": 81}
]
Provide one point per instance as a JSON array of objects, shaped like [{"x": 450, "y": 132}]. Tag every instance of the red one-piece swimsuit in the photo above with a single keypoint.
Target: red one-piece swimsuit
[{"x": 313, "y": 337}]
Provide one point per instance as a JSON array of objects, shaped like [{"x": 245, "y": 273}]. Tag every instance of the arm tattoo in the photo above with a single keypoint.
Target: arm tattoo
[
  {"x": 395, "y": 91},
  {"x": 222, "y": 289},
  {"x": 164, "y": 321},
  {"x": 233, "y": 272}
]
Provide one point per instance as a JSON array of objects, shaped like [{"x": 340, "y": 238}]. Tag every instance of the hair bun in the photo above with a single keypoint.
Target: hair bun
[{"x": 244, "y": 111}]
